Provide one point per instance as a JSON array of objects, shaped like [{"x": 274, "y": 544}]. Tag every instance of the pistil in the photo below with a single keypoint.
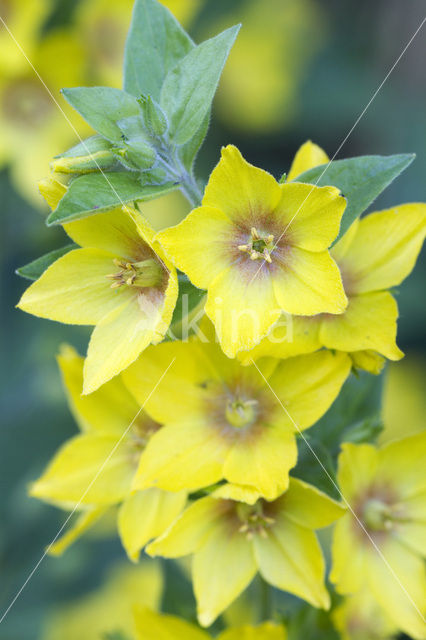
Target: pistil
[
  {"x": 147, "y": 273},
  {"x": 241, "y": 413},
  {"x": 259, "y": 247}
]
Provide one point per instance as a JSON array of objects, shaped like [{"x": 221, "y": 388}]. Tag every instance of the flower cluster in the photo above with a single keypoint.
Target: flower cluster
[{"x": 197, "y": 440}]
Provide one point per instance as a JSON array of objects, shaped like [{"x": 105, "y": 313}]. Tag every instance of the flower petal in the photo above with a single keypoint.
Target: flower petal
[
  {"x": 308, "y": 156},
  {"x": 357, "y": 467},
  {"x": 369, "y": 323},
  {"x": 310, "y": 216},
  {"x": 199, "y": 245},
  {"x": 112, "y": 231},
  {"x": 221, "y": 570},
  {"x": 290, "y": 558},
  {"x": 290, "y": 336},
  {"x": 307, "y": 386},
  {"x": 402, "y": 462},
  {"x": 264, "y": 631},
  {"x": 121, "y": 335},
  {"x": 262, "y": 460},
  {"x": 179, "y": 394},
  {"x": 191, "y": 529},
  {"x": 398, "y": 582},
  {"x": 349, "y": 557},
  {"x": 145, "y": 515},
  {"x": 151, "y": 625},
  {"x": 88, "y": 469},
  {"x": 84, "y": 521},
  {"x": 110, "y": 409},
  {"x": 75, "y": 289},
  {"x": 308, "y": 283},
  {"x": 241, "y": 190},
  {"x": 242, "y": 311},
  {"x": 368, "y": 361},
  {"x": 309, "y": 507},
  {"x": 385, "y": 248},
  {"x": 413, "y": 536},
  {"x": 187, "y": 455}
]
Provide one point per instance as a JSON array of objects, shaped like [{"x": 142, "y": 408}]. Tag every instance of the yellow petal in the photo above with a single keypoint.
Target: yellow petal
[
  {"x": 310, "y": 216},
  {"x": 290, "y": 336},
  {"x": 349, "y": 557},
  {"x": 368, "y": 361},
  {"x": 199, "y": 245},
  {"x": 306, "y": 386},
  {"x": 237, "y": 492},
  {"x": 111, "y": 409},
  {"x": 398, "y": 583},
  {"x": 88, "y": 469},
  {"x": 357, "y": 467},
  {"x": 112, "y": 231},
  {"x": 385, "y": 248},
  {"x": 84, "y": 521},
  {"x": 308, "y": 156},
  {"x": 413, "y": 535},
  {"x": 264, "y": 631},
  {"x": 145, "y": 515},
  {"x": 159, "y": 626},
  {"x": 190, "y": 531},
  {"x": 239, "y": 189},
  {"x": 369, "y": 323},
  {"x": 308, "y": 507},
  {"x": 242, "y": 311},
  {"x": 52, "y": 191},
  {"x": 121, "y": 336},
  {"x": 75, "y": 289},
  {"x": 262, "y": 460},
  {"x": 341, "y": 248},
  {"x": 402, "y": 462},
  {"x": 186, "y": 367},
  {"x": 290, "y": 558},
  {"x": 221, "y": 570},
  {"x": 186, "y": 455},
  {"x": 309, "y": 283}
]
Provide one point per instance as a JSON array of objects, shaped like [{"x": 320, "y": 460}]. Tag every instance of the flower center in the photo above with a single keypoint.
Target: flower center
[
  {"x": 377, "y": 515},
  {"x": 259, "y": 246},
  {"x": 241, "y": 413},
  {"x": 147, "y": 273},
  {"x": 253, "y": 519}
]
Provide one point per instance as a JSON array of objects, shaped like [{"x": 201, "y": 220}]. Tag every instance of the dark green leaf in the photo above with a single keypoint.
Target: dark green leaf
[
  {"x": 360, "y": 180},
  {"x": 94, "y": 193},
  {"x": 189, "y": 302},
  {"x": 101, "y": 107},
  {"x": 155, "y": 43},
  {"x": 34, "y": 269},
  {"x": 189, "y": 87}
]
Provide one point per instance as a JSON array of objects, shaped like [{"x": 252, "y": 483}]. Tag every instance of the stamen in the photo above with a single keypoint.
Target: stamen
[
  {"x": 260, "y": 246},
  {"x": 147, "y": 273}
]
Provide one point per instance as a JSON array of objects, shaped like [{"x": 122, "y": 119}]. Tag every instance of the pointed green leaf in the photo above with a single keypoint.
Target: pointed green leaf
[
  {"x": 189, "y": 87},
  {"x": 188, "y": 151},
  {"x": 360, "y": 180},
  {"x": 94, "y": 193},
  {"x": 94, "y": 144},
  {"x": 34, "y": 269},
  {"x": 101, "y": 107},
  {"x": 156, "y": 41}
]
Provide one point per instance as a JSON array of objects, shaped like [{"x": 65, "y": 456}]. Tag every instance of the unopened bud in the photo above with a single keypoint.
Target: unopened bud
[
  {"x": 138, "y": 156},
  {"x": 153, "y": 116},
  {"x": 84, "y": 164}
]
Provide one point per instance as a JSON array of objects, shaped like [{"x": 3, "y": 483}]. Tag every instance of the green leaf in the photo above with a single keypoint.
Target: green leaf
[
  {"x": 34, "y": 269},
  {"x": 94, "y": 144},
  {"x": 189, "y": 150},
  {"x": 360, "y": 180},
  {"x": 101, "y": 107},
  {"x": 155, "y": 43},
  {"x": 94, "y": 193},
  {"x": 190, "y": 301},
  {"x": 189, "y": 87}
]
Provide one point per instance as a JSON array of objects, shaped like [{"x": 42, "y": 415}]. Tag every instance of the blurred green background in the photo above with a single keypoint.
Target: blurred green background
[{"x": 301, "y": 69}]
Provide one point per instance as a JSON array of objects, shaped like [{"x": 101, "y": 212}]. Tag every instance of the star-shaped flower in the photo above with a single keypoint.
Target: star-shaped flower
[{"x": 259, "y": 248}]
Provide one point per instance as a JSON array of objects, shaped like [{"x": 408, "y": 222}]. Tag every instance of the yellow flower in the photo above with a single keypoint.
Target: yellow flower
[
  {"x": 33, "y": 127},
  {"x": 96, "y": 468},
  {"x": 381, "y": 550},
  {"x": 135, "y": 310},
  {"x": 221, "y": 419},
  {"x": 359, "y": 617},
  {"x": 259, "y": 248},
  {"x": 377, "y": 253},
  {"x": 233, "y": 533},
  {"x": 24, "y": 19},
  {"x": 109, "y": 608},
  {"x": 153, "y": 626}
]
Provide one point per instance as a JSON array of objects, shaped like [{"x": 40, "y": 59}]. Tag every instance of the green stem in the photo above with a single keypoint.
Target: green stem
[
  {"x": 266, "y": 600},
  {"x": 191, "y": 190}
]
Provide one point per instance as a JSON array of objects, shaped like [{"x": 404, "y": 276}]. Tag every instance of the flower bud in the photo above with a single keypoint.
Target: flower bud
[
  {"x": 154, "y": 117},
  {"x": 89, "y": 163}
]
